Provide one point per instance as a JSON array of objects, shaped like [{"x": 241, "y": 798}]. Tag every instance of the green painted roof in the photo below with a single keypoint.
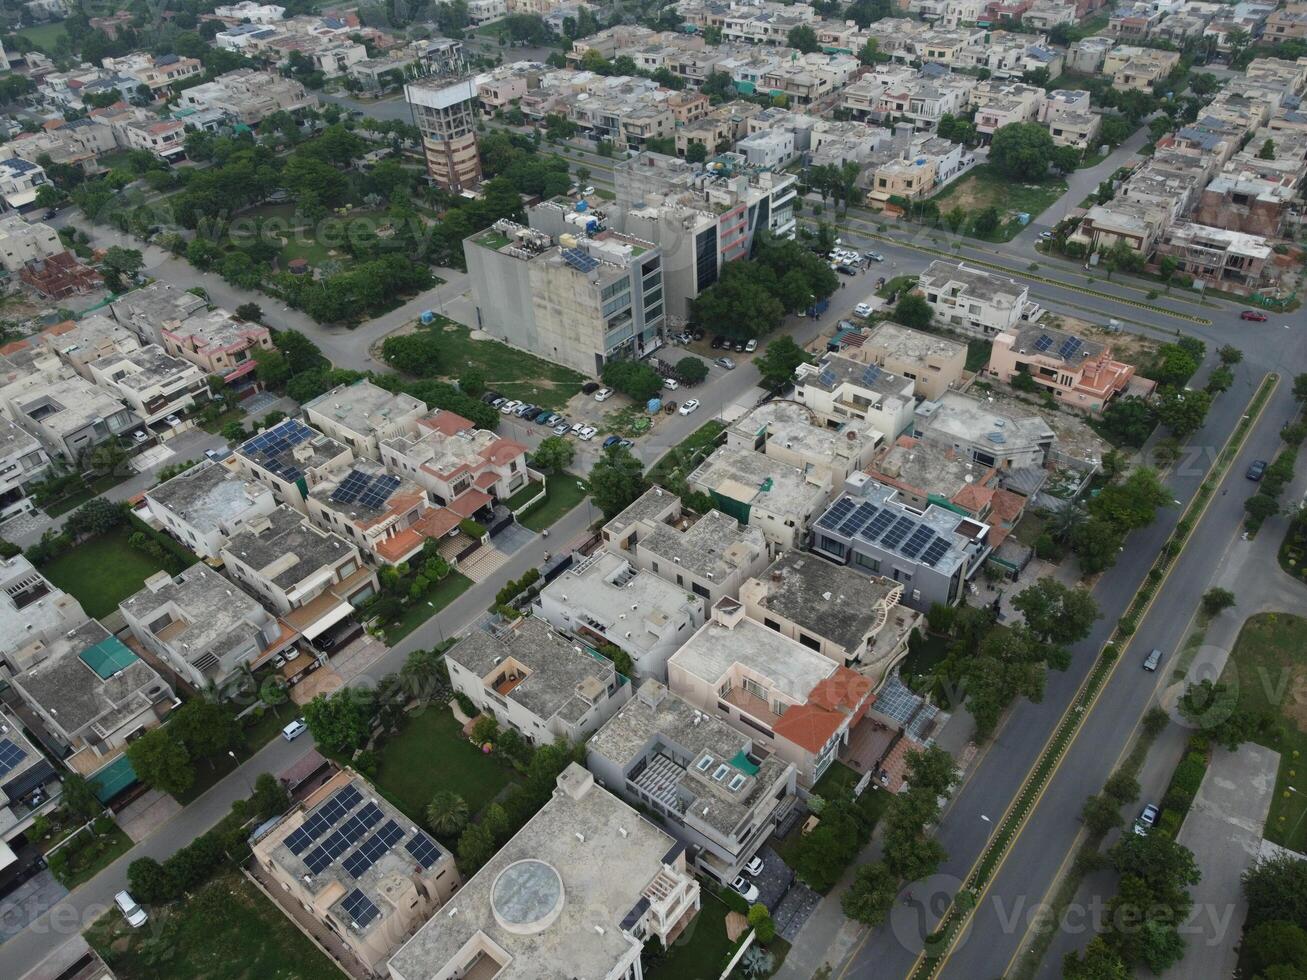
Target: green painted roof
[
  {"x": 108, "y": 657},
  {"x": 113, "y": 779},
  {"x": 742, "y": 763}
]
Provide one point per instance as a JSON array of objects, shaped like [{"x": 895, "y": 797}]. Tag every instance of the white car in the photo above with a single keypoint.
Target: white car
[
  {"x": 294, "y": 730},
  {"x": 587, "y": 191},
  {"x": 588, "y": 433},
  {"x": 133, "y": 913},
  {"x": 862, "y": 309},
  {"x": 603, "y": 394},
  {"x": 689, "y": 406},
  {"x": 670, "y": 384},
  {"x": 141, "y": 436},
  {"x": 508, "y": 408},
  {"x": 754, "y": 867},
  {"x": 173, "y": 420},
  {"x": 746, "y": 888},
  {"x": 751, "y": 346},
  {"x": 1147, "y": 820}
]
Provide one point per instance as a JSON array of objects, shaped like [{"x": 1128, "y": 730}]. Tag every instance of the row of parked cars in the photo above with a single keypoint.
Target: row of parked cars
[
  {"x": 720, "y": 342},
  {"x": 527, "y": 412}
]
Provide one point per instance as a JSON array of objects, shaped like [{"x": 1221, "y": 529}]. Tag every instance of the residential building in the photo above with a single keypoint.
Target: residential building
[
  {"x": 932, "y": 552},
  {"x": 972, "y": 429},
  {"x": 460, "y": 466},
  {"x": 550, "y": 904},
  {"x": 1227, "y": 260},
  {"x": 290, "y": 458},
  {"x": 579, "y": 305},
  {"x": 203, "y": 627},
  {"x": 933, "y": 363},
  {"x": 711, "y": 555},
  {"x": 536, "y": 681},
  {"x": 1080, "y": 373},
  {"x": 60, "y": 276},
  {"x": 697, "y": 773},
  {"x": 1243, "y": 200},
  {"x": 30, "y": 787},
  {"x": 33, "y": 613},
  {"x": 23, "y": 462},
  {"x": 854, "y": 620},
  {"x": 606, "y": 599},
  {"x": 79, "y": 343},
  {"x": 1076, "y": 129},
  {"x": 974, "y": 301},
  {"x": 248, "y": 96},
  {"x": 1138, "y": 69},
  {"x": 1137, "y": 224},
  {"x": 1134, "y": 22},
  {"x": 445, "y": 113},
  {"x": 769, "y": 149},
  {"x": 19, "y": 182},
  {"x": 22, "y": 241},
  {"x": 218, "y": 343},
  {"x": 361, "y": 415},
  {"x": 155, "y": 385},
  {"x": 1289, "y": 23},
  {"x": 148, "y": 311},
  {"x": 1000, "y": 104},
  {"x": 501, "y": 87},
  {"x": 795, "y": 703},
  {"x": 203, "y": 506},
  {"x": 794, "y": 435},
  {"x": 248, "y": 10},
  {"x": 70, "y": 416},
  {"x": 775, "y": 497},
  {"x": 90, "y": 696},
  {"x": 311, "y": 578},
  {"x": 910, "y": 167},
  {"x": 1088, "y": 55},
  {"x": 841, "y": 391},
  {"x": 347, "y": 857}
]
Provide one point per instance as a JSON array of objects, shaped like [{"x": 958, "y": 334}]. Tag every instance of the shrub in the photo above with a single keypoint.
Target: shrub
[{"x": 465, "y": 704}]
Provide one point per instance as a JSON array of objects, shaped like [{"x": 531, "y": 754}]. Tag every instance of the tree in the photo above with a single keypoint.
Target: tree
[
  {"x": 1022, "y": 151},
  {"x": 206, "y": 728},
  {"x": 79, "y": 799},
  {"x": 1276, "y": 890},
  {"x": 1133, "y": 502},
  {"x": 554, "y": 454},
  {"x": 871, "y": 895},
  {"x": 1214, "y": 709},
  {"x": 270, "y": 797},
  {"x": 696, "y": 152},
  {"x": 912, "y": 310},
  {"x": 161, "y": 762},
  {"x": 761, "y": 923},
  {"x": 250, "y": 312},
  {"x": 1152, "y": 899},
  {"x": 1219, "y": 380},
  {"x": 1216, "y": 599},
  {"x": 484, "y": 730},
  {"x": 1056, "y": 613},
  {"x": 270, "y": 368},
  {"x": 869, "y": 54},
  {"x": 1267, "y": 152},
  {"x": 616, "y": 480},
  {"x": 635, "y": 379},
  {"x": 1098, "y": 962},
  {"x": 1300, "y": 387},
  {"x": 1229, "y": 354},
  {"x": 1129, "y": 421},
  {"x": 417, "y": 354},
  {"x": 1100, "y": 814},
  {"x": 740, "y": 303},
  {"x": 691, "y": 370},
  {"x": 1066, "y": 158},
  {"x": 340, "y": 720},
  {"x": 1273, "y": 944},
  {"x": 804, "y": 38},
  {"x": 1183, "y": 411},
  {"x": 986, "y": 222},
  {"x": 1121, "y": 258},
  {"x": 447, "y": 814},
  {"x": 779, "y": 362},
  {"x": 118, "y": 263},
  {"x": 1261, "y": 506}
]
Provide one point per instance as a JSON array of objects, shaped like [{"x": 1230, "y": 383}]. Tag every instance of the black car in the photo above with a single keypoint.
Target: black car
[
  {"x": 738, "y": 346},
  {"x": 590, "y": 387},
  {"x": 846, "y": 270},
  {"x": 718, "y": 342},
  {"x": 698, "y": 333},
  {"x": 489, "y": 396},
  {"x": 1257, "y": 470}
]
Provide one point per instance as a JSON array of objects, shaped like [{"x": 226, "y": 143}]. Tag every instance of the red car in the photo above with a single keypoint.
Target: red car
[{"x": 1254, "y": 315}]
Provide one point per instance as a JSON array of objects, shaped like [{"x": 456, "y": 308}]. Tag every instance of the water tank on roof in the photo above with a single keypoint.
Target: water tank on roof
[{"x": 567, "y": 240}]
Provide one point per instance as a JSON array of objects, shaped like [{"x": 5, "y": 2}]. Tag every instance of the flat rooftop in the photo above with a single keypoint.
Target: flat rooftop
[
  {"x": 654, "y": 504},
  {"x": 796, "y": 427},
  {"x": 289, "y": 449},
  {"x": 715, "y": 546},
  {"x": 363, "y": 407},
  {"x": 828, "y": 600},
  {"x": 563, "y": 903},
  {"x": 75, "y": 404},
  {"x": 286, "y": 549},
  {"x": 791, "y": 667},
  {"x": 956, "y": 416},
  {"x": 759, "y": 481},
  {"x": 969, "y": 281},
  {"x": 912, "y": 345},
  {"x": 144, "y": 368},
  {"x": 1056, "y": 344},
  {"x": 926, "y": 469},
  {"x": 208, "y": 495}
]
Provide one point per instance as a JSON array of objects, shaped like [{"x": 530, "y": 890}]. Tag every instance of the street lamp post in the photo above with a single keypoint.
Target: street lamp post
[{"x": 237, "y": 762}]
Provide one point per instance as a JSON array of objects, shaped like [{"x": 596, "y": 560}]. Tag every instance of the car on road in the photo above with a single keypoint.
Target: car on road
[
  {"x": 133, "y": 913},
  {"x": 725, "y": 362},
  {"x": 612, "y": 441},
  {"x": 1045, "y": 235},
  {"x": 751, "y": 345},
  {"x": 603, "y": 394},
  {"x": 754, "y": 867},
  {"x": 1147, "y": 818},
  {"x": 294, "y": 730},
  {"x": 588, "y": 433},
  {"x": 1153, "y": 660},
  {"x": 1257, "y": 316},
  {"x": 51, "y": 213},
  {"x": 671, "y": 384},
  {"x": 862, "y": 309},
  {"x": 689, "y": 406},
  {"x": 846, "y": 270},
  {"x": 1256, "y": 470},
  {"x": 873, "y": 256},
  {"x": 746, "y": 888}
]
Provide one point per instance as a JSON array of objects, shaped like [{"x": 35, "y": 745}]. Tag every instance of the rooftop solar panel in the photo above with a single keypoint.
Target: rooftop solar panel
[
  {"x": 857, "y": 519},
  {"x": 895, "y": 535},
  {"x": 1043, "y": 342},
  {"x": 10, "y": 756},
  {"x": 423, "y": 849},
  {"x": 919, "y": 539},
  {"x": 359, "y": 908},
  {"x": 877, "y": 525},
  {"x": 936, "y": 550},
  {"x": 871, "y": 375},
  {"x": 838, "y": 512}
]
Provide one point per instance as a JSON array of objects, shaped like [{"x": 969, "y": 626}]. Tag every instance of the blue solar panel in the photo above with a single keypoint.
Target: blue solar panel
[
  {"x": 858, "y": 519},
  {"x": 898, "y": 532},
  {"x": 299, "y": 840},
  {"x": 1069, "y": 347},
  {"x": 833, "y": 517},
  {"x": 423, "y": 849},
  {"x": 379, "y": 492},
  {"x": 10, "y": 756},
  {"x": 579, "y": 260},
  {"x": 827, "y": 378},
  {"x": 920, "y": 538},
  {"x": 351, "y": 488},
  {"x": 359, "y": 908},
  {"x": 1043, "y": 343},
  {"x": 871, "y": 375},
  {"x": 877, "y": 526},
  {"x": 938, "y": 548}
]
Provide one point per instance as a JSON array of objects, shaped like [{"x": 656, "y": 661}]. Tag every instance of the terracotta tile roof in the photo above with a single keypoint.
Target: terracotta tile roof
[
  {"x": 502, "y": 451},
  {"x": 487, "y": 480},
  {"x": 1007, "y": 506},
  {"x": 467, "y": 504},
  {"x": 974, "y": 497},
  {"x": 449, "y": 423},
  {"x": 830, "y": 703}
]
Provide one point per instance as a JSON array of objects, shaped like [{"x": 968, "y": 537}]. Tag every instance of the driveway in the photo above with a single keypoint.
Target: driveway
[{"x": 28, "y": 902}]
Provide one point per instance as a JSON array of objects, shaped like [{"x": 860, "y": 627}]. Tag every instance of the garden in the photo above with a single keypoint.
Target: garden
[
  {"x": 984, "y": 203},
  {"x": 87, "y": 852},
  {"x": 414, "y": 591},
  {"x": 563, "y": 491}
]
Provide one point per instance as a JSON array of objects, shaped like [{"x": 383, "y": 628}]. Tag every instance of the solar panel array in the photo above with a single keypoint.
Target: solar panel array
[
  {"x": 370, "y": 491},
  {"x": 324, "y": 818},
  {"x": 359, "y": 908},
  {"x": 1069, "y": 347},
  {"x": 372, "y": 850},
  {"x": 423, "y": 849},
  {"x": 827, "y": 378},
  {"x": 579, "y": 260},
  {"x": 10, "y": 756},
  {"x": 349, "y": 834},
  {"x": 269, "y": 448},
  {"x": 892, "y": 531},
  {"x": 376, "y": 495},
  {"x": 1043, "y": 342},
  {"x": 871, "y": 375}
]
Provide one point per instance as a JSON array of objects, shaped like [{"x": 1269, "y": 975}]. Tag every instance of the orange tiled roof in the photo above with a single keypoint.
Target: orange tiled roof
[
  {"x": 973, "y": 497},
  {"x": 502, "y": 451},
  {"x": 450, "y": 423},
  {"x": 467, "y": 504},
  {"x": 829, "y": 704}
]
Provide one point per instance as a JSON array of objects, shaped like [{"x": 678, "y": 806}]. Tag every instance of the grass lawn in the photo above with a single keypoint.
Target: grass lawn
[
  {"x": 431, "y": 753},
  {"x": 978, "y": 352},
  {"x": 437, "y": 598},
  {"x": 511, "y": 372},
  {"x": 984, "y": 187},
  {"x": 226, "y": 930},
  {"x": 561, "y": 495},
  {"x": 836, "y": 781},
  {"x": 102, "y": 571},
  {"x": 895, "y": 286},
  {"x": 90, "y": 855},
  {"x": 1267, "y": 668},
  {"x": 700, "y": 952},
  {"x": 1293, "y": 551},
  {"x": 44, "y": 36},
  {"x": 919, "y": 664},
  {"x": 216, "y": 426},
  {"x": 671, "y": 470},
  {"x": 93, "y": 488},
  {"x": 528, "y": 492}
]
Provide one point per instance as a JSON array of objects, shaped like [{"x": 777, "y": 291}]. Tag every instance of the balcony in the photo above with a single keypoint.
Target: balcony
[{"x": 752, "y": 705}]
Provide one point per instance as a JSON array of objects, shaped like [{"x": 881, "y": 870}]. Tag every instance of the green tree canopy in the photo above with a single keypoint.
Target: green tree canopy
[{"x": 1022, "y": 151}]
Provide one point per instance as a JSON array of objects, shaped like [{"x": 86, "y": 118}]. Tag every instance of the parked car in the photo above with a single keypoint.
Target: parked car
[
  {"x": 746, "y": 888},
  {"x": 522, "y": 411},
  {"x": 1257, "y": 316},
  {"x": 1153, "y": 660},
  {"x": 1256, "y": 470},
  {"x": 612, "y": 441},
  {"x": 626, "y": 443},
  {"x": 689, "y": 406},
  {"x": 590, "y": 387},
  {"x": 562, "y": 428},
  {"x": 671, "y": 384},
  {"x": 1147, "y": 818},
  {"x": 725, "y": 362},
  {"x": 498, "y": 403},
  {"x": 873, "y": 256},
  {"x": 588, "y": 433},
  {"x": 862, "y": 309},
  {"x": 576, "y": 428},
  {"x": 587, "y": 190},
  {"x": 738, "y": 346},
  {"x": 754, "y": 867},
  {"x": 140, "y": 435},
  {"x": 133, "y": 913},
  {"x": 718, "y": 341},
  {"x": 510, "y": 406},
  {"x": 294, "y": 730},
  {"x": 488, "y": 397},
  {"x": 1045, "y": 235},
  {"x": 603, "y": 394},
  {"x": 846, "y": 270},
  {"x": 751, "y": 346}
]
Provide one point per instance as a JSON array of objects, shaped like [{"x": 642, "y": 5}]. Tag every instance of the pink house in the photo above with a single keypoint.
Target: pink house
[{"x": 1080, "y": 373}]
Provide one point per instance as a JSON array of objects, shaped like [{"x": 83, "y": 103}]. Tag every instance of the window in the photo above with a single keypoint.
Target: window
[
  {"x": 699, "y": 590},
  {"x": 810, "y": 642},
  {"x": 771, "y": 624},
  {"x": 680, "y": 580},
  {"x": 866, "y": 562}
]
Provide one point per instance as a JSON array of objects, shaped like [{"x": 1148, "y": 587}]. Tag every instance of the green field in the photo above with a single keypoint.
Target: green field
[
  {"x": 44, "y": 36},
  {"x": 102, "y": 571},
  {"x": 430, "y": 754},
  {"x": 88, "y": 855},
  {"x": 561, "y": 494},
  {"x": 700, "y": 952},
  {"x": 1268, "y": 668},
  {"x": 226, "y": 930},
  {"x": 984, "y": 187}
]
